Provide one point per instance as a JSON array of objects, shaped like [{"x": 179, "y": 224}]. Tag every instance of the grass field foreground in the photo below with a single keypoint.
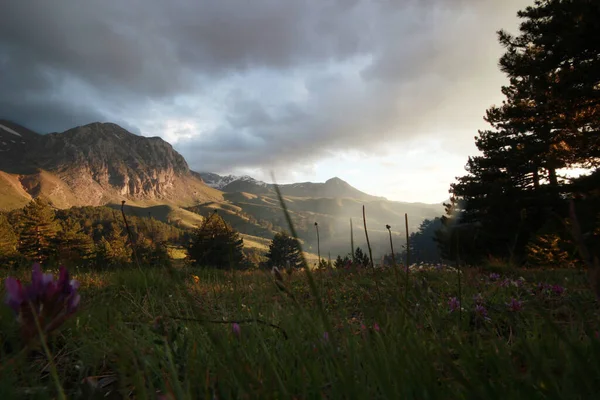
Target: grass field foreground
[{"x": 186, "y": 333}]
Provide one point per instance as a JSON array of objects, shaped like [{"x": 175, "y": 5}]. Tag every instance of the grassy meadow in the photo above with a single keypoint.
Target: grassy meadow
[{"x": 184, "y": 333}]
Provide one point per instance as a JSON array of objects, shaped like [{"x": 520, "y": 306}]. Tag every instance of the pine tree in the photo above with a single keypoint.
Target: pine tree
[
  {"x": 37, "y": 230},
  {"x": 284, "y": 251},
  {"x": 216, "y": 244},
  {"x": 546, "y": 250},
  {"x": 361, "y": 258},
  {"x": 8, "y": 238},
  {"x": 102, "y": 253},
  {"x": 423, "y": 247},
  {"x": 547, "y": 122},
  {"x": 72, "y": 243},
  {"x": 556, "y": 54},
  {"x": 120, "y": 253}
]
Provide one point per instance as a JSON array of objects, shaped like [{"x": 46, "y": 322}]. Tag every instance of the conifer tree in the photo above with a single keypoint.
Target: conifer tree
[
  {"x": 120, "y": 253},
  {"x": 37, "y": 230},
  {"x": 8, "y": 238},
  {"x": 547, "y": 122},
  {"x": 215, "y": 244},
  {"x": 284, "y": 251},
  {"x": 361, "y": 258},
  {"x": 72, "y": 243},
  {"x": 341, "y": 262}
]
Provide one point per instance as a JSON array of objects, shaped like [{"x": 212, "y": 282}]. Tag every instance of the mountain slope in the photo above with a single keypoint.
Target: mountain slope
[
  {"x": 96, "y": 164},
  {"x": 331, "y": 204},
  {"x": 103, "y": 164}
]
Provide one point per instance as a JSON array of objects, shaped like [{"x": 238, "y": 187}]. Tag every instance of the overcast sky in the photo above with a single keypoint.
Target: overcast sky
[{"x": 385, "y": 94}]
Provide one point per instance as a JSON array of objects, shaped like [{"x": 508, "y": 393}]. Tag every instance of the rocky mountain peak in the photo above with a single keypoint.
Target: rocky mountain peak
[
  {"x": 98, "y": 159},
  {"x": 336, "y": 181}
]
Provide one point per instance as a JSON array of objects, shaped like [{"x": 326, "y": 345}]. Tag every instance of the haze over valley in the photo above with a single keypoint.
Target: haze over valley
[{"x": 103, "y": 164}]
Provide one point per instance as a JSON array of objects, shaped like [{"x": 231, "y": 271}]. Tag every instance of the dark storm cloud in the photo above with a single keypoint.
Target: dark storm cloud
[{"x": 371, "y": 72}]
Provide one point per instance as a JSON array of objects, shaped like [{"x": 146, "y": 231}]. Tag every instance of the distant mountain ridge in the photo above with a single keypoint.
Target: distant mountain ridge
[
  {"x": 228, "y": 183},
  {"x": 332, "y": 188}
]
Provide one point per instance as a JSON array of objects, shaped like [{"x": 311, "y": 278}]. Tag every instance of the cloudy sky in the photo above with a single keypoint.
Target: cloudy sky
[{"x": 385, "y": 94}]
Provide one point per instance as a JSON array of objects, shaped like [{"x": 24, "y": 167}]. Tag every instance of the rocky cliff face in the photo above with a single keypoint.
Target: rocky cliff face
[
  {"x": 114, "y": 158},
  {"x": 99, "y": 163}
]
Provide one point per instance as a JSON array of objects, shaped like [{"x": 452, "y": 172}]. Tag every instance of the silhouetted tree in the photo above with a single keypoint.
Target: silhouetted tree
[
  {"x": 284, "y": 251},
  {"x": 342, "y": 262},
  {"x": 361, "y": 258},
  {"x": 215, "y": 244},
  {"x": 547, "y": 122}
]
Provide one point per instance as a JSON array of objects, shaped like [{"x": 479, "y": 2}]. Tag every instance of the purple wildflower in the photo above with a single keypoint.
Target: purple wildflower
[
  {"x": 558, "y": 290},
  {"x": 478, "y": 298},
  {"x": 15, "y": 295},
  {"x": 480, "y": 311},
  {"x": 454, "y": 304},
  {"x": 50, "y": 302},
  {"x": 236, "y": 329},
  {"x": 514, "y": 305},
  {"x": 376, "y": 327},
  {"x": 505, "y": 282},
  {"x": 494, "y": 277},
  {"x": 543, "y": 287}
]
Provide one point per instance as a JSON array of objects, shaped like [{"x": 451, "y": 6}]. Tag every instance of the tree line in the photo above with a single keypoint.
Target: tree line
[{"x": 91, "y": 236}]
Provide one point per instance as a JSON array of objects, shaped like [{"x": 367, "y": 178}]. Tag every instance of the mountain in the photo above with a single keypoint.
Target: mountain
[
  {"x": 233, "y": 183},
  {"x": 94, "y": 164},
  {"x": 332, "y": 188},
  {"x": 252, "y": 207},
  {"x": 103, "y": 164}
]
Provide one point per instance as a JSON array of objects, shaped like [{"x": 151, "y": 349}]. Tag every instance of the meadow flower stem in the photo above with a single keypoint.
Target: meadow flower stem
[
  {"x": 351, "y": 240},
  {"x": 367, "y": 236},
  {"x": 407, "y": 256},
  {"x": 318, "y": 243},
  {"x": 370, "y": 253},
  {"x": 53, "y": 372},
  {"x": 389, "y": 228}
]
